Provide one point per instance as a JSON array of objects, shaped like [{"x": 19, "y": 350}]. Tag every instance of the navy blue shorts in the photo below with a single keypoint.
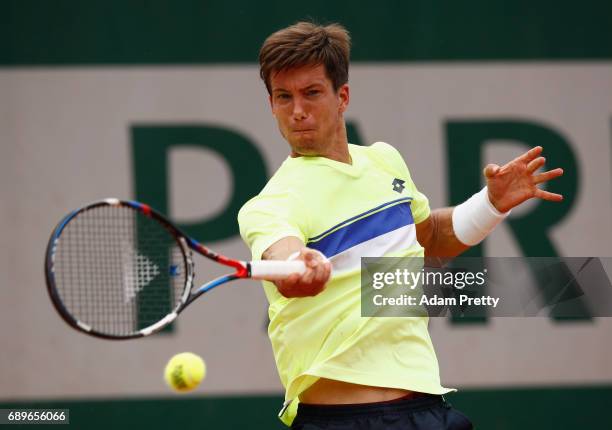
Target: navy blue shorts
[{"x": 424, "y": 413}]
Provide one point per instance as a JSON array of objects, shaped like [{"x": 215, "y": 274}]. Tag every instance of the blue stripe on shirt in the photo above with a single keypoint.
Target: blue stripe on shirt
[{"x": 360, "y": 231}]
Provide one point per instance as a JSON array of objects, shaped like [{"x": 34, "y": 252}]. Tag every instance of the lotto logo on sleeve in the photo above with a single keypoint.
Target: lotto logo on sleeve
[{"x": 398, "y": 185}]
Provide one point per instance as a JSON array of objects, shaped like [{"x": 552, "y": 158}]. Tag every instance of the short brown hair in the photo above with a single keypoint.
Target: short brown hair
[{"x": 306, "y": 43}]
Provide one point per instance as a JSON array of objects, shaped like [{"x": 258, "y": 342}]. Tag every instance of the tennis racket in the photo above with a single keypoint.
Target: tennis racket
[{"x": 117, "y": 269}]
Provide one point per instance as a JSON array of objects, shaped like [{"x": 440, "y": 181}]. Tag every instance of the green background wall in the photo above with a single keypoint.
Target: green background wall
[{"x": 70, "y": 32}]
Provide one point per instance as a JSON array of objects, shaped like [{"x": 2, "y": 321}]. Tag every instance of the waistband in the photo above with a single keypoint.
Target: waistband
[{"x": 401, "y": 405}]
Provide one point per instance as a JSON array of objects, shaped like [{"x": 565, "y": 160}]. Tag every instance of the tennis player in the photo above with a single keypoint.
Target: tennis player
[{"x": 331, "y": 203}]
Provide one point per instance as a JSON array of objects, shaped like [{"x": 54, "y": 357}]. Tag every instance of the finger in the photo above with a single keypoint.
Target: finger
[
  {"x": 310, "y": 258},
  {"x": 547, "y": 176},
  {"x": 545, "y": 195},
  {"x": 535, "y": 164},
  {"x": 307, "y": 276},
  {"x": 291, "y": 279},
  {"x": 323, "y": 273},
  {"x": 490, "y": 170},
  {"x": 311, "y": 271},
  {"x": 328, "y": 271},
  {"x": 319, "y": 277},
  {"x": 531, "y": 154}
]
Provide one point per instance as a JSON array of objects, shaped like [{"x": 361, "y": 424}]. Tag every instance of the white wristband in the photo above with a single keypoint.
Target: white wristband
[{"x": 475, "y": 218}]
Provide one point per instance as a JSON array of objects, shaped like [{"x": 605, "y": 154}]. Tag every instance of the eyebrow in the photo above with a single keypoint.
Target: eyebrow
[{"x": 315, "y": 84}]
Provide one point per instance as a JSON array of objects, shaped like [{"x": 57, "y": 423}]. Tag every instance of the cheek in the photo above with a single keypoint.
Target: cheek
[
  {"x": 281, "y": 121},
  {"x": 281, "y": 111},
  {"x": 277, "y": 115},
  {"x": 331, "y": 115}
]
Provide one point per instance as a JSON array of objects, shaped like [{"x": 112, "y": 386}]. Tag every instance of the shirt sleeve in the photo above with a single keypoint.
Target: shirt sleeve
[
  {"x": 420, "y": 203},
  {"x": 267, "y": 218}
]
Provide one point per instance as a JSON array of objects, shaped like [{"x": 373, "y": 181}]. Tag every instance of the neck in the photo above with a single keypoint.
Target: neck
[{"x": 341, "y": 155}]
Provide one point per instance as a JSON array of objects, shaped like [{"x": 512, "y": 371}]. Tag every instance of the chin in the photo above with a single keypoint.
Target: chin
[
  {"x": 306, "y": 148},
  {"x": 308, "y": 151}
]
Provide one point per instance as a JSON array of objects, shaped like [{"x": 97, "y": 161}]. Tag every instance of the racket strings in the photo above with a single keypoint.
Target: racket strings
[{"x": 117, "y": 270}]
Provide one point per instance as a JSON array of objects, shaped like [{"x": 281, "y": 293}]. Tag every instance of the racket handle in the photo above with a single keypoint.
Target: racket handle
[{"x": 272, "y": 270}]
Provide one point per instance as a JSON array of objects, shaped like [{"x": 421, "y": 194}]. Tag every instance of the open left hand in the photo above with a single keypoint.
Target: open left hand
[{"x": 513, "y": 183}]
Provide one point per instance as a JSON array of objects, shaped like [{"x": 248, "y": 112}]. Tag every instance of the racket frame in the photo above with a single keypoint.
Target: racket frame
[{"x": 186, "y": 245}]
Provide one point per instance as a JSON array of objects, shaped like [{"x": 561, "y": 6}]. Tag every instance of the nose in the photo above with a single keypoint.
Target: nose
[{"x": 299, "y": 113}]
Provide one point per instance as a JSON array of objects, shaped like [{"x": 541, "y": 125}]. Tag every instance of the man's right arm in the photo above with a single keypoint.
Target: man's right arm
[{"x": 311, "y": 282}]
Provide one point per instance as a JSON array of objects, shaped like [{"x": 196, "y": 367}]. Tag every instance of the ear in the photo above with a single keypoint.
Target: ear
[
  {"x": 271, "y": 104},
  {"x": 344, "y": 97}
]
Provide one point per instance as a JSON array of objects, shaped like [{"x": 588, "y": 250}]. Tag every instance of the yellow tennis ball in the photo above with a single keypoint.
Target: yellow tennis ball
[{"x": 184, "y": 371}]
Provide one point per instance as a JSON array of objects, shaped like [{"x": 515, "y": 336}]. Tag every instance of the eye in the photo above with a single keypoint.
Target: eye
[
  {"x": 283, "y": 96},
  {"x": 313, "y": 92}
]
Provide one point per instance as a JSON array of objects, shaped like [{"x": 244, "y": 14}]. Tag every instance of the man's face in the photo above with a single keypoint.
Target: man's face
[{"x": 308, "y": 110}]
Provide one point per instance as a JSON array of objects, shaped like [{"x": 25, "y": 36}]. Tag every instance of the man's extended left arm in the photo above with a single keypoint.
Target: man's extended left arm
[{"x": 448, "y": 232}]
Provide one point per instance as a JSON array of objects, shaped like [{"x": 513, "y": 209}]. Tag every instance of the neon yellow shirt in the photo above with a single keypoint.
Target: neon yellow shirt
[{"x": 366, "y": 209}]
